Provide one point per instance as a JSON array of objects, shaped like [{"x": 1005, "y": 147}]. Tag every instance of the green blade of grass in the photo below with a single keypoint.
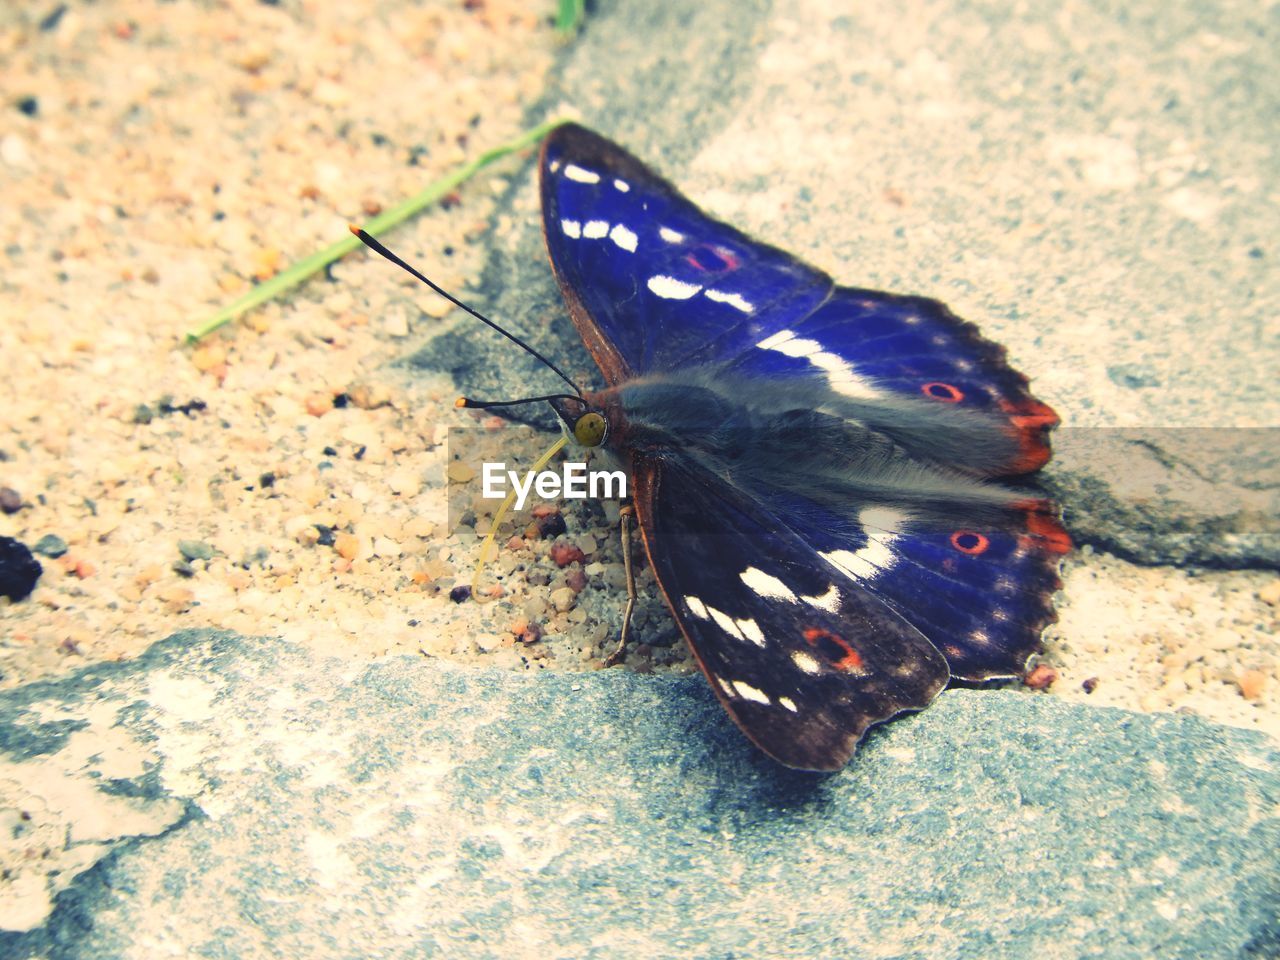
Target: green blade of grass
[
  {"x": 569, "y": 15},
  {"x": 304, "y": 269}
]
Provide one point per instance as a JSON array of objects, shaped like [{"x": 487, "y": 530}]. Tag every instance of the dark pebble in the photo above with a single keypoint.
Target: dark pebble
[
  {"x": 28, "y": 105},
  {"x": 19, "y": 570},
  {"x": 1090, "y": 685},
  {"x": 267, "y": 480},
  {"x": 195, "y": 550},
  {"x": 53, "y": 18},
  {"x": 326, "y": 535},
  {"x": 51, "y": 545},
  {"x": 460, "y": 593},
  {"x": 10, "y": 500},
  {"x": 143, "y": 414},
  {"x": 551, "y": 526},
  {"x": 183, "y": 569}
]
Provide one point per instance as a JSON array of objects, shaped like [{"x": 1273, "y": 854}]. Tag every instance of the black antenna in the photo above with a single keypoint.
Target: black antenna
[
  {"x": 378, "y": 248},
  {"x": 469, "y": 404}
]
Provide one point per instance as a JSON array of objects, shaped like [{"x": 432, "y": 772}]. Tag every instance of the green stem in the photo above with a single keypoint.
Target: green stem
[
  {"x": 569, "y": 15},
  {"x": 303, "y": 269}
]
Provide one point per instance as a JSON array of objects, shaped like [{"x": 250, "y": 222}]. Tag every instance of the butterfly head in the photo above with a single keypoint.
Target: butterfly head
[{"x": 586, "y": 422}]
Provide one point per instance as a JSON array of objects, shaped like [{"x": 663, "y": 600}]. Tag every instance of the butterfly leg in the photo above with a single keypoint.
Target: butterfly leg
[{"x": 625, "y": 518}]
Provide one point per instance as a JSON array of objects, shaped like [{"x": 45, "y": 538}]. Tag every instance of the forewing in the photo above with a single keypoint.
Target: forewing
[
  {"x": 653, "y": 283},
  {"x": 802, "y": 657}
]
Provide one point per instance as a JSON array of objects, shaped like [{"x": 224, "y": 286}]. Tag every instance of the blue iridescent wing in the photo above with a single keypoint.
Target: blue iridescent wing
[
  {"x": 977, "y": 583},
  {"x": 802, "y": 657},
  {"x": 652, "y": 282},
  {"x": 867, "y": 345}
]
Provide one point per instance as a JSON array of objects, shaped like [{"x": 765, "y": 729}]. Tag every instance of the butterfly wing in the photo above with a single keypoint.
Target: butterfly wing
[
  {"x": 979, "y": 587},
  {"x": 802, "y": 657},
  {"x": 652, "y": 282},
  {"x": 869, "y": 347}
]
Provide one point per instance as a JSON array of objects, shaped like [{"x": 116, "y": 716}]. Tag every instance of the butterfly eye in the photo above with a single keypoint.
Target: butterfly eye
[{"x": 590, "y": 429}]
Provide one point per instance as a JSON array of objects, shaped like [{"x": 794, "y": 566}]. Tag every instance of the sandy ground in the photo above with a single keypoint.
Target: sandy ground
[{"x": 282, "y": 477}]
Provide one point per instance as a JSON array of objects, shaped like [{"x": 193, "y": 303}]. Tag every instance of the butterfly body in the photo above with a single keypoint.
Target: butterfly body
[{"x": 821, "y": 474}]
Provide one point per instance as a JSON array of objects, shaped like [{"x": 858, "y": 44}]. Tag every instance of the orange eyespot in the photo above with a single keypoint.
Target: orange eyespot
[
  {"x": 835, "y": 648},
  {"x": 942, "y": 391},
  {"x": 966, "y": 541}
]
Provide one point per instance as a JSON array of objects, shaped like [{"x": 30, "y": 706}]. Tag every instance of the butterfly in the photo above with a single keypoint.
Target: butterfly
[
  {"x": 813, "y": 466},
  {"x": 830, "y": 482}
]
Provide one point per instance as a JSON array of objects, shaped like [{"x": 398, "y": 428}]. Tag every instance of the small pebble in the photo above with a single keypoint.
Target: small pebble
[
  {"x": 460, "y": 472},
  {"x": 51, "y": 545},
  {"x": 576, "y": 580},
  {"x": 183, "y": 569},
  {"x": 526, "y": 631},
  {"x": 460, "y": 593},
  {"x": 1090, "y": 685},
  {"x": 563, "y": 599},
  {"x": 566, "y": 553},
  {"x": 1251, "y": 684},
  {"x": 19, "y": 570},
  {"x": 318, "y": 404},
  {"x": 10, "y": 500},
  {"x": 1270, "y": 594},
  {"x": 195, "y": 550},
  {"x": 1041, "y": 677}
]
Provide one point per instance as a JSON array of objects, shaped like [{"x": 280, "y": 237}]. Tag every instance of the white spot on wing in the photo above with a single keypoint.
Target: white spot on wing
[
  {"x": 840, "y": 373},
  {"x": 725, "y": 623},
  {"x": 788, "y": 704},
  {"x": 623, "y": 238},
  {"x": 734, "y": 300},
  {"x": 747, "y": 692},
  {"x": 554, "y": 166},
  {"x": 581, "y": 174},
  {"x": 798, "y": 347},
  {"x": 671, "y": 236},
  {"x": 751, "y": 631},
  {"x": 765, "y": 585},
  {"x": 696, "y": 607},
  {"x": 829, "y": 601},
  {"x": 882, "y": 526},
  {"x": 672, "y": 289},
  {"x": 621, "y": 186},
  {"x": 571, "y": 228},
  {"x": 805, "y": 662},
  {"x": 595, "y": 229},
  {"x": 771, "y": 343}
]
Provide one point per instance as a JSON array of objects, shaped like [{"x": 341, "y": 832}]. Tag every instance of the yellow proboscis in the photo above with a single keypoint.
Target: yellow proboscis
[{"x": 484, "y": 558}]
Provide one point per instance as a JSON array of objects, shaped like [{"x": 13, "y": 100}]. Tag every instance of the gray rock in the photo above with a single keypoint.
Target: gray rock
[
  {"x": 231, "y": 797},
  {"x": 1086, "y": 183}
]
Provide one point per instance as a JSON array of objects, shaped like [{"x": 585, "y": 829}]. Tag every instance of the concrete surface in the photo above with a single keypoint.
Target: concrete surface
[{"x": 248, "y": 799}]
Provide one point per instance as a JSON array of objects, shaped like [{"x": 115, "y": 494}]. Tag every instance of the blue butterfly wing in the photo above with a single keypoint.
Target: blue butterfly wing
[
  {"x": 653, "y": 283},
  {"x": 868, "y": 345},
  {"x": 979, "y": 587},
  {"x": 802, "y": 657}
]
